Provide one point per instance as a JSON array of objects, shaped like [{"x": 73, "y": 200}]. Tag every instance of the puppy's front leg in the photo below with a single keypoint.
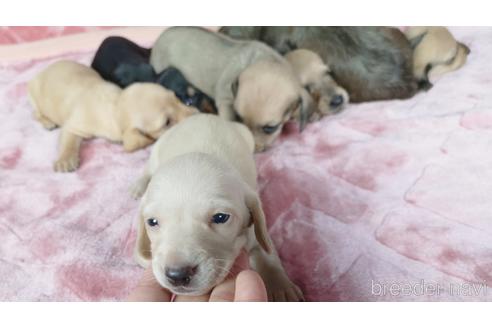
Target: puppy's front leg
[
  {"x": 224, "y": 99},
  {"x": 279, "y": 287},
  {"x": 139, "y": 187},
  {"x": 69, "y": 152},
  {"x": 226, "y": 111},
  {"x": 133, "y": 140}
]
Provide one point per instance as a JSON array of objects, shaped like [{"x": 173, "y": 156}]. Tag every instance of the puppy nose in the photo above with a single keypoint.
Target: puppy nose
[
  {"x": 180, "y": 276},
  {"x": 336, "y": 101}
]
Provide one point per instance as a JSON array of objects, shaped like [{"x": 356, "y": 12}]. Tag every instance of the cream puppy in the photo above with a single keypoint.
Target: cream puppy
[
  {"x": 200, "y": 208},
  {"x": 315, "y": 76},
  {"x": 435, "y": 52},
  {"x": 249, "y": 81},
  {"x": 76, "y": 98}
]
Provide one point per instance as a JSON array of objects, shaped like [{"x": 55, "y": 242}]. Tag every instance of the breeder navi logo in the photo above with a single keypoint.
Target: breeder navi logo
[{"x": 427, "y": 289}]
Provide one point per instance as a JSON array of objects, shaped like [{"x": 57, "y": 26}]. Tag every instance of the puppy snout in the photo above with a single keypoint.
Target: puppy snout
[
  {"x": 336, "y": 101},
  {"x": 180, "y": 276}
]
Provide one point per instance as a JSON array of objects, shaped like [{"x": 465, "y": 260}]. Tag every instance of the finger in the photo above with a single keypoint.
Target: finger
[
  {"x": 188, "y": 298},
  {"x": 223, "y": 292},
  {"x": 250, "y": 287},
  {"x": 149, "y": 290}
]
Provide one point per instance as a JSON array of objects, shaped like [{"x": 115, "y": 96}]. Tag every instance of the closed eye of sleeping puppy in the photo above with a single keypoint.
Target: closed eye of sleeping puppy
[
  {"x": 314, "y": 75},
  {"x": 76, "y": 98},
  {"x": 435, "y": 52},
  {"x": 200, "y": 209},
  {"x": 123, "y": 62},
  {"x": 249, "y": 81}
]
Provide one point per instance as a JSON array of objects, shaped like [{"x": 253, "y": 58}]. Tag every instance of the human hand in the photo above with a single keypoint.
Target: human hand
[{"x": 247, "y": 286}]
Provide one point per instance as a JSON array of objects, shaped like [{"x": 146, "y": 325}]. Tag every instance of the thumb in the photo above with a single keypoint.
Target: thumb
[
  {"x": 149, "y": 290},
  {"x": 250, "y": 287}
]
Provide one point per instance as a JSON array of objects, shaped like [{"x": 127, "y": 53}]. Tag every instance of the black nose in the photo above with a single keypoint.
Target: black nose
[
  {"x": 336, "y": 101},
  {"x": 180, "y": 276}
]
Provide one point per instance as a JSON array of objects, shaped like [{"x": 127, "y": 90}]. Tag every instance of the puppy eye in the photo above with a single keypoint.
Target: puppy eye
[
  {"x": 269, "y": 129},
  {"x": 220, "y": 218},
  {"x": 152, "y": 222}
]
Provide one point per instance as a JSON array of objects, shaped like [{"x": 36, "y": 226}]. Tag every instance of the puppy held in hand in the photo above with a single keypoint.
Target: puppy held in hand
[
  {"x": 315, "y": 76},
  {"x": 200, "y": 209},
  {"x": 123, "y": 62},
  {"x": 435, "y": 52},
  {"x": 249, "y": 81},
  {"x": 77, "y": 99}
]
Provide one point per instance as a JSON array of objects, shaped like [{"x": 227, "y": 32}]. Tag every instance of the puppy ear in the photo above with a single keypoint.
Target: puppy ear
[
  {"x": 465, "y": 48},
  {"x": 414, "y": 42},
  {"x": 306, "y": 109},
  {"x": 235, "y": 87},
  {"x": 143, "y": 253},
  {"x": 258, "y": 219}
]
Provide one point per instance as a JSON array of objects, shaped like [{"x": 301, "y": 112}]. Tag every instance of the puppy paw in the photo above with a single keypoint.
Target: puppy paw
[
  {"x": 139, "y": 187},
  {"x": 49, "y": 126},
  {"x": 67, "y": 164},
  {"x": 281, "y": 289}
]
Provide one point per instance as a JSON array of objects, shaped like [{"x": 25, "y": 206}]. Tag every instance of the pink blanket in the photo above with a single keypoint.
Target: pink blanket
[{"x": 385, "y": 201}]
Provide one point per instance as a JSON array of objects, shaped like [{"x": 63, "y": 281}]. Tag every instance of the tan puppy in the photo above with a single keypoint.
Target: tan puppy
[
  {"x": 314, "y": 74},
  {"x": 249, "y": 81},
  {"x": 435, "y": 52},
  {"x": 200, "y": 208},
  {"x": 75, "y": 97}
]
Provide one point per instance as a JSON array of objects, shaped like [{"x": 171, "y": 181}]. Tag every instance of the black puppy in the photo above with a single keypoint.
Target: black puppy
[
  {"x": 123, "y": 62},
  {"x": 172, "y": 79}
]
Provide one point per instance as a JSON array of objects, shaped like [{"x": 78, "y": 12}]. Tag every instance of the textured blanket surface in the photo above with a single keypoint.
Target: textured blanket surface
[
  {"x": 21, "y": 34},
  {"x": 385, "y": 201}
]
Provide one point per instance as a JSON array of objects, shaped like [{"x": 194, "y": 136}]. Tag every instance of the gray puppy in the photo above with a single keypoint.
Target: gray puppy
[
  {"x": 249, "y": 81},
  {"x": 371, "y": 63}
]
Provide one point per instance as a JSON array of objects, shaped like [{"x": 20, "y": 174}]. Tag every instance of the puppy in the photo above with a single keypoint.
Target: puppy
[
  {"x": 173, "y": 79},
  {"x": 200, "y": 208},
  {"x": 435, "y": 52},
  {"x": 123, "y": 62},
  {"x": 75, "y": 97},
  {"x": 249, "y": 81},
  {"x": 371, "y": 63},
  {"x": 316, "y": 77}
]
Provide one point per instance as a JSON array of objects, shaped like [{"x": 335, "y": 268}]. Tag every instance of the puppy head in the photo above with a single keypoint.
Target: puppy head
[
  {"x": 172, "y": 79},
  {"x": 316, "y": 77},
  {"x": 327, "y": 95},
  {"x": 267, "y": 94},
  {"x": 151, "y": 109},
  {"x": 194, "y": 219}
]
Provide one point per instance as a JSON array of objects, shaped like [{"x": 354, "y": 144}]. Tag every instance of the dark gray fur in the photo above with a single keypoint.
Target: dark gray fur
[{"x": 371, "y": 63}]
